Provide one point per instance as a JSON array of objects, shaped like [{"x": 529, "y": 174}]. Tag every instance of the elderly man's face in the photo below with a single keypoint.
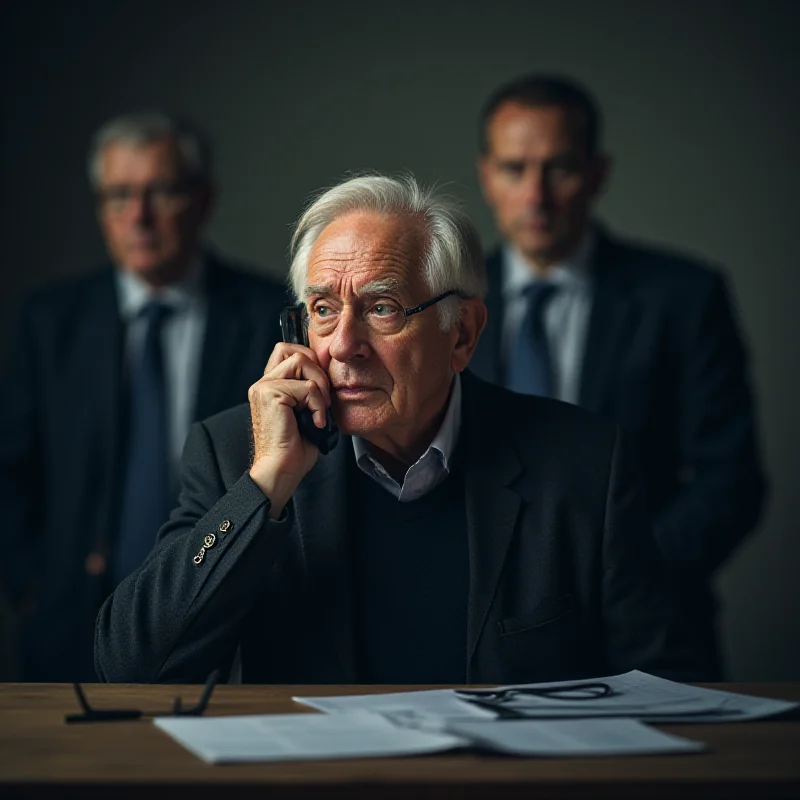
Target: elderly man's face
[
  {"x": 151, "y": 215},
  {"x": 390, "y": 375}
]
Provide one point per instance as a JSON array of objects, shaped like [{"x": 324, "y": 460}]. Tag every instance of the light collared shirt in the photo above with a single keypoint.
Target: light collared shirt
[
  {"x": 566, "y": 316},
  {"x": 182, "y": 341},
  {"x": 431, "y": 468}
]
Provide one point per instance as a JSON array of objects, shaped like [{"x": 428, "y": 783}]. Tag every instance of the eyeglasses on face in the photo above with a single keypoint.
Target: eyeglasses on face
[
  {"x": 384, "y": 317},
  {"x": 163, "y": 197},
  {"x": 91, "y": 714}
]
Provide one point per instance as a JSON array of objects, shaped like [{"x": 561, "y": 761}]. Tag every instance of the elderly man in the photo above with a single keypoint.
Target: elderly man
[
  {"x": 457, "y": 532},
  {"x": 642, "y": 336},
  {"x": 107, "y": 373}
]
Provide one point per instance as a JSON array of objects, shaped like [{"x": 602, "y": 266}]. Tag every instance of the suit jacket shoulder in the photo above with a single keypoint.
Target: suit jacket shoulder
[
  {"x": 532, "y": 423},
  {"x": 656, "y": 272},
  {"x": 251, "y": 284},
  {"x": 69, "y": 296}
]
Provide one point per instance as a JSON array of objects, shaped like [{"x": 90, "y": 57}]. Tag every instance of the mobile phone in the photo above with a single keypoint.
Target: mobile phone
[{"x": 293, "y": 330}]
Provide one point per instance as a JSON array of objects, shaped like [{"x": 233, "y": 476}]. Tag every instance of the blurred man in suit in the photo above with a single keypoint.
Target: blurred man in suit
[
  {"x": 106, "y": 373},
  {"x": 643, "y": 336}
]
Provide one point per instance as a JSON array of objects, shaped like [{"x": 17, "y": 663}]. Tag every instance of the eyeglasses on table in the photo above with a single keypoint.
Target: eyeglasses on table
[
  {"x": 568, "y": 691},
  {"x": 495, "y": 699},
  {"x": 91, "y": 714}
]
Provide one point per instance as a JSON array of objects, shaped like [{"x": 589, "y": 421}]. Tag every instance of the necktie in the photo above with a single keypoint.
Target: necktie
[
  {"x": 146, "y": 495},
  {"x": 530, "y": 368}
]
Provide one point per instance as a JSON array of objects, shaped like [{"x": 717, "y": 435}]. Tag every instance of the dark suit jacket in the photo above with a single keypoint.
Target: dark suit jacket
[
  {"x": 664, "y": 359},
  {"x": 564, "y": 572},
  {"x": 60, "y": 443}
]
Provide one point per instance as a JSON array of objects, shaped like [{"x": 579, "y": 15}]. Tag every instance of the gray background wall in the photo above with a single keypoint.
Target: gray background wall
[{"x": 701, "y": 100}]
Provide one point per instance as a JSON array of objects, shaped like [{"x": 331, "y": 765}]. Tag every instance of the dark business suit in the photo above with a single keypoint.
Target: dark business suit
[
  {"x": 564, "y": 574},
  {"x": 664, "y": 359},
  {"x": 61, "y": 447}
]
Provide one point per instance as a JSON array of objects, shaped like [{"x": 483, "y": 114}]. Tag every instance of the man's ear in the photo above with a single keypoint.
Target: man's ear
[
  {"x": 482, "y": 168},
  {"x": 471, "y": 323},
  {"x": 206, "y": 201},
  {"x": 601, "y": 172}
]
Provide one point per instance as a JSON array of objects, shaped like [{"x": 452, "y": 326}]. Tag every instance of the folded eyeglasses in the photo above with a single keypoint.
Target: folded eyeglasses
[
  {"x": 117, "y": 714},
  {"x": 495, "y": 699}
]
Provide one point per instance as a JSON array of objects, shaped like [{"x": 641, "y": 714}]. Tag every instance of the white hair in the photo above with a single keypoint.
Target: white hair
[
  {"x": 150, "y": 126},
  {"x": 453, "y": 258}
]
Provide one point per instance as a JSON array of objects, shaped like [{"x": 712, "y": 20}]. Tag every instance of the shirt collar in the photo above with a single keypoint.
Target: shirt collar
[
  {"x": 134, "y": 293},
  {"x": 574, "y": 270},
  {"x": 446, "y": 437}
]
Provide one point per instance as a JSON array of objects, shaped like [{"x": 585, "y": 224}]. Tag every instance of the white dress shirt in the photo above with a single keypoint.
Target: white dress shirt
[
  {"x": 432, "y": 467},
  {"x": 182, "y": 342},
  {"x": 566, "y": 316}
]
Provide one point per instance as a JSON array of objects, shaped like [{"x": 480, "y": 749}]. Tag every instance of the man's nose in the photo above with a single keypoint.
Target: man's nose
[
  {"x": 350, "y": 339},
  {"x": 141, "y": 208},
  {"x": 535, "y": 190}
]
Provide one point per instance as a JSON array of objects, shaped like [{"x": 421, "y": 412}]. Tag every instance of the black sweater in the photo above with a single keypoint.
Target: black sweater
[{"x": 411, "y": 581}]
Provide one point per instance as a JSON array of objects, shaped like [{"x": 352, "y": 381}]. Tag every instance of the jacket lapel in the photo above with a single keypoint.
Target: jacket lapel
[
  {"x": 228, "y": 331},
  {"x": 321, "y": 508},
  {"x": 611, "y": 323},
  {"x": 492, "y": 507},
  {"x": 103, "y": 332}
]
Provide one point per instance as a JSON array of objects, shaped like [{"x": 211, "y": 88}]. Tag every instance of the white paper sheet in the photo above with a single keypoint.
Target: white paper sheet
[
  {"x": 363, "y": 734},
  {"x": 427, "y": 709},
  {"x": 585, "y": 737},
  {"x": 300, "y": 737},
  {"x": 634, "y": 694}
]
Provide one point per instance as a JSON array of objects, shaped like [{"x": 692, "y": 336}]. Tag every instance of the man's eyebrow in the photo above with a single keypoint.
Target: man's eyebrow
[
  {"x": 385, "y": 286},
  {"x": 324, "y": 291},
  {"x": 380, "y": 286}
]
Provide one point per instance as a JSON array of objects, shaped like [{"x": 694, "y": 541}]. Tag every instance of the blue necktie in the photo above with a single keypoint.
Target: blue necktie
[
  {"x": 530, "y": 369},
  {"x": 146, "y": 495}
]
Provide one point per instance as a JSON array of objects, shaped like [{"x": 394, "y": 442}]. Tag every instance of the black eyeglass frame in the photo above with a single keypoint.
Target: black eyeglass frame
[
  {"x": 119, "y": 714},
  {"x": 567, "y": 692},
  {"x": 185, "y": 187},
  {"x": 591, "y": 691},
  {"x": 407, "y": 312},
  {"x": 495, "y": 699}
]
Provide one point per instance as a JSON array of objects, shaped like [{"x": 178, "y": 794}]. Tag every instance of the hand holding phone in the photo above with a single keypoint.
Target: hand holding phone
[
  {"x": 293, "y": 331},
  {"x": 284, "y": 403}
]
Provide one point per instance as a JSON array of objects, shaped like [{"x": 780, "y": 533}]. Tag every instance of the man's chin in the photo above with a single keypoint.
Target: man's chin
[
  {"x": 145, "y": 266},
  {"x": 353, "y": 420},
  {"x": 156, "y": 270},
  {"x": 537, "y": 246}
]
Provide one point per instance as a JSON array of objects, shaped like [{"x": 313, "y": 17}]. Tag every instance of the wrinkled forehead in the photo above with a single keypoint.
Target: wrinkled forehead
[{"x": 360, "y": 252}]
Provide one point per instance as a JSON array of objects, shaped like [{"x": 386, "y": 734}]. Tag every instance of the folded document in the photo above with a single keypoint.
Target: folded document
[
  {"x": 364, "y": 734},
  {"x": 635, "y": 695}
]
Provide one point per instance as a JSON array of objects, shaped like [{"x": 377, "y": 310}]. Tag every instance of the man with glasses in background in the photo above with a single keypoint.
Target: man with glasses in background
[
  {"x": 106, "y": 374},
  {"x": 457, "y": 532}
]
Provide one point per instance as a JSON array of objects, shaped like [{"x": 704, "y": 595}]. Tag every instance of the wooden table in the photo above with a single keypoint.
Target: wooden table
[{"x": 40, "y": 756}]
